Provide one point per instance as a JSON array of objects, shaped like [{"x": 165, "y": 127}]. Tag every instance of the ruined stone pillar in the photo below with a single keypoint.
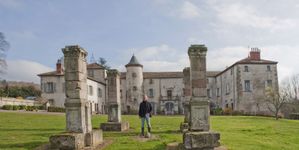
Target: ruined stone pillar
[
  {"x": 187, "y": 95},
  {"x": 76, "y": 104},
  {"x": 79, "y": 132},
  {"x": 199, "y": 136},
  {"x": 114, "y": 104}
]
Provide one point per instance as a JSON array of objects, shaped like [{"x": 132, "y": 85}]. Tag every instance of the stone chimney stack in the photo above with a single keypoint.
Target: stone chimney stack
[
  {"x": 59, "y": 68},
  {"x": 255, "y": 54}
]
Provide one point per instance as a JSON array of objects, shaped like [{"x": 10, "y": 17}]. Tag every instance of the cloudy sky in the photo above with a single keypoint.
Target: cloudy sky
[{"x": 158, "y": 32}]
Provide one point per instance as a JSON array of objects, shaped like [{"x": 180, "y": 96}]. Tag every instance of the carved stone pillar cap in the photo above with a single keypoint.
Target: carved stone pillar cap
[
  {"x": 197, "y": 50},
  {"x": 73, "y": 50},
  {"x": 113, "y": 72}
]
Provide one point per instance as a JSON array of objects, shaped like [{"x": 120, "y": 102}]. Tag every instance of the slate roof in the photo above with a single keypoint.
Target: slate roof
[
  {"x": 133, "y": 62},
  {"x": 249, "y": 61},
  {"x": 94, "y": 66},
  {"x": 155, "y": 75}
]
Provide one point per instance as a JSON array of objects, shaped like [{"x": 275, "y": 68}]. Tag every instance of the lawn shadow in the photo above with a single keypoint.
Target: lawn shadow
[{"x": 28, "y": 145}]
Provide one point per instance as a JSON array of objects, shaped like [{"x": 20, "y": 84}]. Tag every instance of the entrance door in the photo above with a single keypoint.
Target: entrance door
[{"x": 169, "y": 108}]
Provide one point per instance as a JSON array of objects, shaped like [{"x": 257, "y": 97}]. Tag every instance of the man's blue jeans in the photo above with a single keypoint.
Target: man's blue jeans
[{"x": 147, "y": 120}]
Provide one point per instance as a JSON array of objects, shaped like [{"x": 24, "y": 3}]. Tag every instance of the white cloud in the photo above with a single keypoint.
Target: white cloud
[
  {"x": 219, "y": 59},
  {"x": 189, "y": 10},
  {"x": 244, "y": 15},
  {"x": 24, "y": 70}
]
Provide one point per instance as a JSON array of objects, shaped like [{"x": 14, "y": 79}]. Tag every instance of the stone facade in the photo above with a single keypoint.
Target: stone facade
[
  {"x": 53, "y": 86},
  {"x": 168, "y": 92}
]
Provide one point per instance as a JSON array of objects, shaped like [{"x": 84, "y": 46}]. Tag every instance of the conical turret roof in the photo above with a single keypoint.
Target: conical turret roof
[{"x": 133, "y": 62}]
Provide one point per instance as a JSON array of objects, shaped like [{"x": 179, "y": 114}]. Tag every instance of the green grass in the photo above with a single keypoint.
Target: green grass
[{"x": 27, "y": 131}]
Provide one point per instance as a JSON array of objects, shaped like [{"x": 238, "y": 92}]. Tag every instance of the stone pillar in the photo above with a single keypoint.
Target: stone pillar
[
  {"x": 198, "y": 135},
  {"x": 187, "y": 95},
  {"x": 114, "y": 104},
  {"x": 76, "y": 104},
  {"x": 79, "y": 132}
]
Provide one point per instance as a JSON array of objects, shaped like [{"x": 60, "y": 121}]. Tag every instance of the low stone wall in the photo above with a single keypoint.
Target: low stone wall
[{"x": 14, "y": 101}]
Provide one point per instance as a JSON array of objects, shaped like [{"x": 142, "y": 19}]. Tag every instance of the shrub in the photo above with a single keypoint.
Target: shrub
[
  {"x": 227, "y": 111},
  {"x": 22, "y": 107},
  {"x": 7, "y": 107},
  {"x": 56, "y": 109},
  {"x": 15, "y": 107},
  {"x": 41, "y": 107},
  {"x": 294, "y": 116},
  {"x": 31, "y": 108},
  {"x": 217, "y": 111}
]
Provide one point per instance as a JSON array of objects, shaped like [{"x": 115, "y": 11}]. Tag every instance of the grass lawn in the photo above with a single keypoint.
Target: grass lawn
[{"x": 27, "y": 131}]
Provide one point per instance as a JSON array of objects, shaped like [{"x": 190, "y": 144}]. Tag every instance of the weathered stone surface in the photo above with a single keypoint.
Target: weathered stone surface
[
  {"x": 187, "y": 111},
  {"x": 201, "y": 140},
  {"x": 94, "y": 138},
  {"x": 67, "y": 141},
  {"x": 114, "y": 112},
  {"x": 115, "y": 126},
  {"x": 199, "y": 116},
  {"x": 184, "y": 127}
]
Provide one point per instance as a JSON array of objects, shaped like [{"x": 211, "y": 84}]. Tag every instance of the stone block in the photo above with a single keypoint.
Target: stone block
[
  {"x": 94, "y": 138},
  {"x": 201, "y": 140},
  {"x": 115, "y": 126},
  {"x": 184, "y": 127},
  {"x": 199, "y": 115},
  {"x": 67, "y": 141},
  {"x": 114, "y": 112}
]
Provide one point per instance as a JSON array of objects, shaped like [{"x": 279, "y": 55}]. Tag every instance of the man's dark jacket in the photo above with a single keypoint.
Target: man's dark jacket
[{"x": 144, "y": 107}]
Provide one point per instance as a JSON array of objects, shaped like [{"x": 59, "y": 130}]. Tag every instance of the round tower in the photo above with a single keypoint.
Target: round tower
[{"x": 134, "y": 82}]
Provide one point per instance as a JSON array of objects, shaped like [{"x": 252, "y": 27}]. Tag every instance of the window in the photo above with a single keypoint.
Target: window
[
  {"x": 151, "y": 93},
  {"x": 151, "y": 81},
  {"x": 169, "y": 94},
  {"x": 268, "y": 68},
  {"x": 231, "y": 71},
  {"x": 134, "y": 75},
  {"x": 134, "y": 88},
  {"x": 207, "y": 80},
  {"x": 247, "y": 85},
  {"x": 269, "y": 83},
  {"x": 227, "y": 89},
  {"x": 90, "y": 90},
  {"x": 208, "y": 92},
  {"x": 99, "y": 92},
  {"x": 90, "y": 73},
  {"x": 246, "y": 69},
  {"x": 121, "y": 93},
  {"x": 218, "y": 92},
  {"x": 49, "y": 87},
  {"x": 232, "y": 106}
]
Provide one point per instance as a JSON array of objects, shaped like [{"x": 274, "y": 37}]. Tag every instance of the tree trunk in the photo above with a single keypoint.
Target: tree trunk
[{"x": 276, "y": 115}]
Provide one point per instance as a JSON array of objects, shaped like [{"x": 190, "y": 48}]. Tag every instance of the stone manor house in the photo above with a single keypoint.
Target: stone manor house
[{"x": 240, "y": 87}]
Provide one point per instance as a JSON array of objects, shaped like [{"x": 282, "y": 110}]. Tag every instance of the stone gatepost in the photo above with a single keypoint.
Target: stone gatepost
[
  {"x": 114, "y": 104},
  {"x": 187, "y": 95},
  {"x": 79, "y": 132},
  {"x": 199, "y": 136}
]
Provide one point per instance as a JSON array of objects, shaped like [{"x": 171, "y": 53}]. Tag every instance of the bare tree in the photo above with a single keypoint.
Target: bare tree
[
  {"x": 4, "y": 45},
  {"x": 103, "y": 62},
  {"x": 295, "y": 86},
  {"x": 275, "y": 100}
]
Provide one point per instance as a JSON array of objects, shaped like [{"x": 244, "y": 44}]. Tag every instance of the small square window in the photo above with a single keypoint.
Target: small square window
[{"x": 246, "y": 69}]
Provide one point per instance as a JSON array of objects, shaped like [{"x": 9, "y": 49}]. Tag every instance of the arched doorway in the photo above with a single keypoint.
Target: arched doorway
[{"x": 169, "y": 108}]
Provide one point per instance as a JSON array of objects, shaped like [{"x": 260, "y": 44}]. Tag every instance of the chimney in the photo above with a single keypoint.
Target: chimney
[
  {"x": 255, "y": 54},
  {"x": 59, "y": 69}
]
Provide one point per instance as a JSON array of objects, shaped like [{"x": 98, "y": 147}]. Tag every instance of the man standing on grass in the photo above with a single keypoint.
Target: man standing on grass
[{"x": 145, "y": 109}]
